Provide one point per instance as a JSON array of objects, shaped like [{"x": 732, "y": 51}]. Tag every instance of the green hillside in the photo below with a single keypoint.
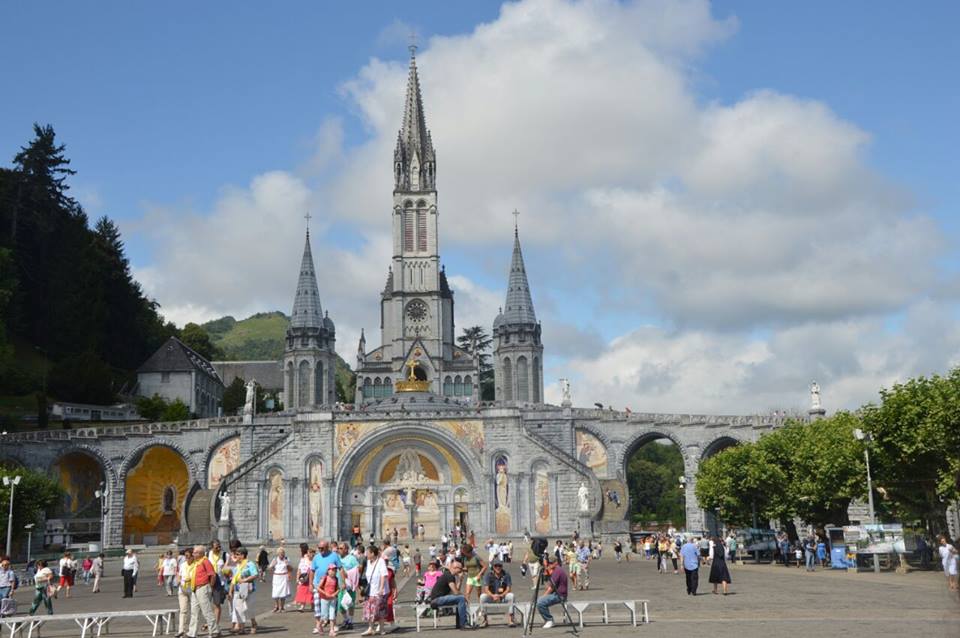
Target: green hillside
[
  {"x": 261, "y": 337},
  {"x": 255, "y": 338}
]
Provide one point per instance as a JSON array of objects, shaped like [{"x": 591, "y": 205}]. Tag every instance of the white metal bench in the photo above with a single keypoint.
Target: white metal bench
[
  {"x": 88, "y": 622},
  {"x": 581, "y": 606}
]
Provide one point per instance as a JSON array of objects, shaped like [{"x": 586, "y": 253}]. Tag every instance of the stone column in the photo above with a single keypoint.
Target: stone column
[
  {"x": 113, "y": 536},
  {"x": 695, "y": 516},
  {"x": 518, "y": 501},
  {"x": 330, "y": 509}
]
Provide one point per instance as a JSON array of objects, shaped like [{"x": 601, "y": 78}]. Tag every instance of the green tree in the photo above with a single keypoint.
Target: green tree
[
  {"x": 742, "y": 481},
  {"x": 476, "y": 338},
  {"x": 652, "y": 480},
  {"x": 84, "y": 378},
  {"x": 176, "y": 410},
  {"x": 234, "y": 396},
  {"x": 151, "y": 408},
  {"x": 915, "y": 452},
  {"x": 36, "y": 496},
  {"x": 196, "y": 337}
]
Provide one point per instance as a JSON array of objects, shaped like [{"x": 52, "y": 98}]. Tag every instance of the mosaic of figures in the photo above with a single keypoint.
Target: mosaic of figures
[
  {"x": 501, "y": 492},
  {"x": 315, "y": 497},
  {"x": 347, "y": 434},
  {"x": 225, "y": 459},
  {"x": 592, "y": 453},
  {"x": 275, "y": 498},
  {"x": 541, "y": 501}
]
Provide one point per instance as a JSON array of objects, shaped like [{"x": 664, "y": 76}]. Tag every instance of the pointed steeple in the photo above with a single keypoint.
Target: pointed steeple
[
  {"x": 414, "y": 160},
  {"x": 519, "y": 306},
  {"x": 306, "y": 303}
]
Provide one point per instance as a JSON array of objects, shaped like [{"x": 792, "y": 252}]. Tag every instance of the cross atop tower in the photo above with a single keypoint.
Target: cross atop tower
[
  {"x": 412, "y": 46},
  {"x": 308, "y": 217},
  {"x": 516, "y": 220}
]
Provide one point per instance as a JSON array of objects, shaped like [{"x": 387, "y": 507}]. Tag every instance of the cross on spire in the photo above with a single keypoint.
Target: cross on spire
[
  {"x": 412, "y": 39},
  {"x": 308, "y": 217},
  {"x": 516, "y": 220}
]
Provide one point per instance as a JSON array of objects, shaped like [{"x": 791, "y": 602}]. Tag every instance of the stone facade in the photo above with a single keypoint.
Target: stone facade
[{"x": 353, "y": 447}]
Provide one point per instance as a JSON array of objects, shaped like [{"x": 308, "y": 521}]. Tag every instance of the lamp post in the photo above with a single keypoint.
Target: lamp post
[
  {"x": 29, "y": 528},
  {"x": 12, "y": 483},
  {"x": 102, "y": 494},
  {"x": 683, "y": 495},
  {"x": 860, "y": 435}
]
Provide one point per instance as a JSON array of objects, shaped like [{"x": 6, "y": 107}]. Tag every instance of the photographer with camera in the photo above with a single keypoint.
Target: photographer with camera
[{"x": 556, "y": 590}]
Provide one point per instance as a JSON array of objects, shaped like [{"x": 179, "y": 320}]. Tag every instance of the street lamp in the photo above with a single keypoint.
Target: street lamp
[
  {"x": 12, "y": 483},
  {"x": 683, "y": 497},
  {"x": 29, "y": 528},
  {"x": 860, "y": 435},
  {"x": 102, "y": 494}
]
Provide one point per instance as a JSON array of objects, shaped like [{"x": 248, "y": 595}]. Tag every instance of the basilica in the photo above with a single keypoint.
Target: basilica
[{"x": 417, "y": 448}]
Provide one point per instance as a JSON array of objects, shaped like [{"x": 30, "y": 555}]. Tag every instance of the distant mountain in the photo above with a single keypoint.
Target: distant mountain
[{"x": 261, "y": 338}]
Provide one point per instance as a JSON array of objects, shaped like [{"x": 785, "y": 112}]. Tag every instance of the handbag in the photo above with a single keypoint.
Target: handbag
[{"x": 303, "y": 578}]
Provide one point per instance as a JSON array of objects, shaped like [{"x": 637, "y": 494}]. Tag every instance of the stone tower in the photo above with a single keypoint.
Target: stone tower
[
  {"x": 309, "y": 357},
  {"x": 518, "y": 352},
  {"x": 416, "y": 306}
]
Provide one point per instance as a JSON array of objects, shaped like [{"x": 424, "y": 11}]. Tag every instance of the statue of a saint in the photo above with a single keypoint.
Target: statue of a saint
[
  {"x": 224, "y": 507},
  {"x": 248, "y": 402},
  {"x": 815, "y": 396},
  {"x": 565, "y": 393},
  {"x": 583, "y": 494}
]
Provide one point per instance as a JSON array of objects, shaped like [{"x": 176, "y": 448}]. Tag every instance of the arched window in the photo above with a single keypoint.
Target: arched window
[
  {"x": 377, "y": 388},
  {"x": 320, "y": 397},
  {"x": 507, "y": 381},
  {"x": 457, "y": 386},
  {"x": 421, "y": 230},
  {"x": 535, "y": 373},
  {"x": 468, "y": 386},
  {"x": 367, "y": 388},
  {"x": 387, "y": 387},
  {"x": 447, "y": 386},
  {"x": 408, "y": 222},
  {"x": 303, "y": 384},
  {"x": 523, "y": 381}
]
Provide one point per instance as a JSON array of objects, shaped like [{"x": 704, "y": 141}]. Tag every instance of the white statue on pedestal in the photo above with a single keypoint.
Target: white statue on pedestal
[
  {"x": 224, "y": 507},
  {"x": 565, "y": 400},
  {"x": 248, "y": 403},
  {"x": 815, "y": 396},
  {"x": 584, "y": 495}
]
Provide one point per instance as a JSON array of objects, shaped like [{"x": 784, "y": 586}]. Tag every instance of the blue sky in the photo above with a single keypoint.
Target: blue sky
[{"x": 171, "y": 112}]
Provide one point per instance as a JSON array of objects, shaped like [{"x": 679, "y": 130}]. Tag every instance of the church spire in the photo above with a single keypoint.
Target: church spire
[
  {"x": 306, "y": 303},
  {"x": 414, "y": 160},
  {"x": 519, "y": 306}
]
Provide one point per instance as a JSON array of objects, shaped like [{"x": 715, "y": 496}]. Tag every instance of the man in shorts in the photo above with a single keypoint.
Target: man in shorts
[{"x": 497, "y": 588}]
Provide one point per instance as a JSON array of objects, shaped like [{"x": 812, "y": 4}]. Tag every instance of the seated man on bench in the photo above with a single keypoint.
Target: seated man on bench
[
  {"x": 447, "y": 592},
  {"x": 497, "y": 589}
]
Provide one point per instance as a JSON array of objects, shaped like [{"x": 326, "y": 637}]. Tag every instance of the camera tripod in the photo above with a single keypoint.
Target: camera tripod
[{"x": 529, "y": 621}]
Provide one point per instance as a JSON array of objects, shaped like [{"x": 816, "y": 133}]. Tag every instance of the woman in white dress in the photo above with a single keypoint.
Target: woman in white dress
[
  {"x": 948, "y": 557},
  {"x": 280, "y": 568}
]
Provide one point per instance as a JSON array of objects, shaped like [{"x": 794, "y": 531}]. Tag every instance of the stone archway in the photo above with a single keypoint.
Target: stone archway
[
  {"x": 405, "y": 477},
  {"x": 669, "y": 484}
]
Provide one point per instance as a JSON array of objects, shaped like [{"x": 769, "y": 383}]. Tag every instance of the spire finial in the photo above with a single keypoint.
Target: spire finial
[
  {"x": 308, "y": 217},
  {"x": 412, "y": 46},
  {"x": 516, "y": 221}
]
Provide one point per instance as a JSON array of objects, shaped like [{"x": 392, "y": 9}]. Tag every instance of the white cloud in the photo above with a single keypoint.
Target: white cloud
[{"x": 753, "y": 230}]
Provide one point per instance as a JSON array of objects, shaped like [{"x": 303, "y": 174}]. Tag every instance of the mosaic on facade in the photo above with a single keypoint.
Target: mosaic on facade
[
  {"x": 225, "y": 459},
  {"x": 315, "y": 497},
  {"x": 155, "y": 491},
  {"x": 592, "y": 453},
  {"x": 502, "y": 508},
  {"x": 541, "y": 501},
  {"x": 470, "y": 432},
  {"x": 275, "y": 504},
  {"x": 79, "y": 475}
]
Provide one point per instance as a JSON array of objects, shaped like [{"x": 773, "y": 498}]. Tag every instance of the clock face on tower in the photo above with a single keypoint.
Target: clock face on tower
[{"x": 417, "y": 311}]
